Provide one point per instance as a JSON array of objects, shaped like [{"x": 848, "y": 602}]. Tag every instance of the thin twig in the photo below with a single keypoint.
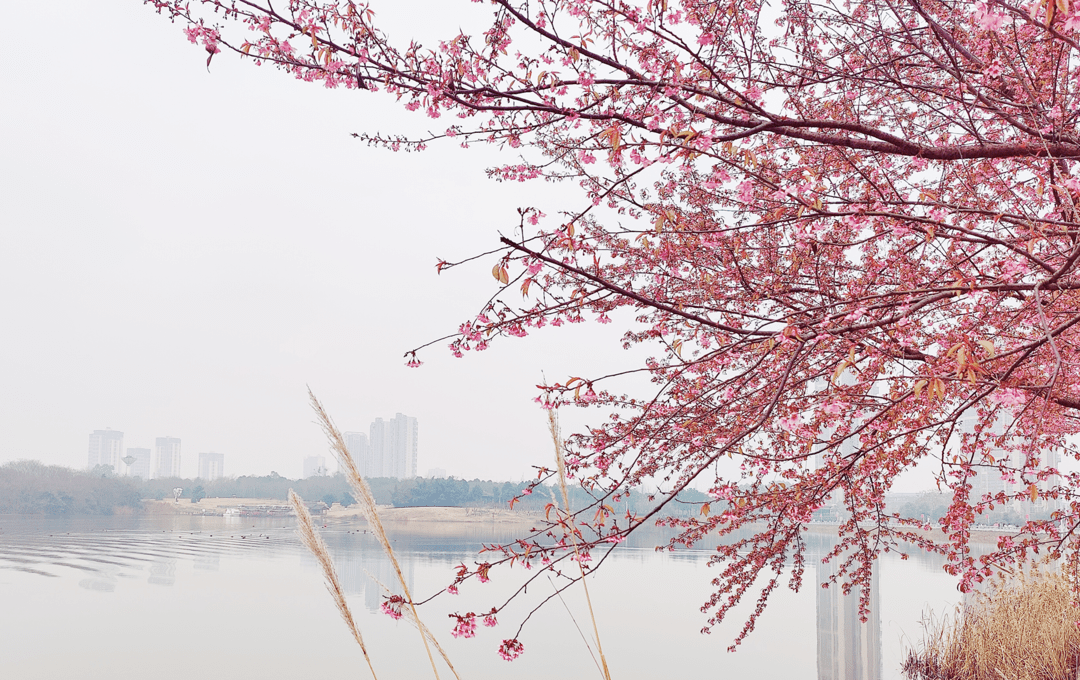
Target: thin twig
[{"x": 407, "y": 613}]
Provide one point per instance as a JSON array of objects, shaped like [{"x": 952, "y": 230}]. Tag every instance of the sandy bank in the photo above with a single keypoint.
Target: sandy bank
[
  {"x": 218, "y": 506},
  {"x": 441, "y": 514}
]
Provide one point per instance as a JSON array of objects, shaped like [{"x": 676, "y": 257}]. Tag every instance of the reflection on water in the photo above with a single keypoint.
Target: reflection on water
[
  {"x": 847, "y": 648},
  {"x": 208, "y": 562},
  {"x": 103, "y": 584},
  {"x": 162, "y": 573},
  {"x": 248, "y": 590},
  {"x": 363, "y": 568},
  {"x": 48, "y": 546}
]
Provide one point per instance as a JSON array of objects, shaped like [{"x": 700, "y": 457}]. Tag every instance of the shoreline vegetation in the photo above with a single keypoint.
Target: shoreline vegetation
[
  {"x": 31, "y": 487},
  {"x": 1024, "y": 626}
]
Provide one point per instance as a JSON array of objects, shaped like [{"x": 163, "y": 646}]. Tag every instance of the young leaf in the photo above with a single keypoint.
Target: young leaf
[
  {"x": 937, "y": 388},
  {"x": 919, "y": 385}
]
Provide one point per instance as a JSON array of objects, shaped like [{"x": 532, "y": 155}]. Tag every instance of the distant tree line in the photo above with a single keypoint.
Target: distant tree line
[
  {"x": 931, "y": 507},
  {"x": 415, "y": 492},
  {"x": 32, "y": 487}
]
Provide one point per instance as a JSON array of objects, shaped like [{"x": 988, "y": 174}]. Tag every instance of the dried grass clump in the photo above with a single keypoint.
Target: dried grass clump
[{"x": 1023, "y": 628}]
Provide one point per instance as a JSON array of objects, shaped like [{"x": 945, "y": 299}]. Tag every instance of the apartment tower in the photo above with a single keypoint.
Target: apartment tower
[
  {"x": 167, "y": 457},
  {"x": 211, "y": 466},
  {"x": 106, "y": 448}
]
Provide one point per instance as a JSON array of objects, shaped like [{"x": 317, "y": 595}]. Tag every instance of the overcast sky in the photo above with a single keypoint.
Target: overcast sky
[{"x": 184, "y": 251}]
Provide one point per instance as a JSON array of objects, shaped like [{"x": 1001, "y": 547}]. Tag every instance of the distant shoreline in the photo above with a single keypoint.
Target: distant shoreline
[
  {"x": 217, "y": 507},
  {"x": 456, "y": 515},
  {"x": 388, "y": 514}
]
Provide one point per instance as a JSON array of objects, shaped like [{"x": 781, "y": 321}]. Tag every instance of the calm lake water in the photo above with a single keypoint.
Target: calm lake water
[{"x": 178, "y": 597}]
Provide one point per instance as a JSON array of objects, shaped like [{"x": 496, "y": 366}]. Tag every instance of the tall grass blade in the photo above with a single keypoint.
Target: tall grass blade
[
  {"x": 576, "y": 626},
  {"x": 305, "y": 527},
  {"x": 556, "y": 438},
  {"x": 366, "y": 500}
]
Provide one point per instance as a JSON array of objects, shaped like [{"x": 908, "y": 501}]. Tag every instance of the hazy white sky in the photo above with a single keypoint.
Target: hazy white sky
[{"x": 184, "y": 251}]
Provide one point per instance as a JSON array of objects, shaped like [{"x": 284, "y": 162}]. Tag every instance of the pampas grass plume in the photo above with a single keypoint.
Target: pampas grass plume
[
  {"x": 366, "y": 500},
  {"x": 305, "y": 527},
  {"x": 556, "y": 438}
]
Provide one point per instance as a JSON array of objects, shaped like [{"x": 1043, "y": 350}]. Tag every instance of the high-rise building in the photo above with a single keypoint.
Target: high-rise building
[
  {"x": 380, "y": 448},
  {"x": 393, "y": 447},
  {"x": 989, "y": 479},
  {"x": 211, "y": 466},
  {"x": 360, "y": 450},
  {"x": 405, "y": 447},
  {"x": 106, "y": 448},
  {"x": 314, "y": 466},
  {"x": 139, "y": 465},
  {"x": 167, "y": 454}
]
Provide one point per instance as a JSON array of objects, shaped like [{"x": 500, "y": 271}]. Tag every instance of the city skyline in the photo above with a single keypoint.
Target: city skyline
[
  {"x": 106, "y": 447},
  {"x": 389, "y": 449},
  {"x": 395, "y": 454}
]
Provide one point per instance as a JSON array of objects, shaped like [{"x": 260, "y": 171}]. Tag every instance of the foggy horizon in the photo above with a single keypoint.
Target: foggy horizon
[{"x": 191, "y": 250}]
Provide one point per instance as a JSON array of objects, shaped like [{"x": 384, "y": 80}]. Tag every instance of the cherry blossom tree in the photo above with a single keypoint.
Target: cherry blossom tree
[{"x": 848, "y": 232}]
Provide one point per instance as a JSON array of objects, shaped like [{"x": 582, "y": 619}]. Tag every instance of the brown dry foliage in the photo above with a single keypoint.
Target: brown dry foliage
[{"x": 1024, "y": 627}]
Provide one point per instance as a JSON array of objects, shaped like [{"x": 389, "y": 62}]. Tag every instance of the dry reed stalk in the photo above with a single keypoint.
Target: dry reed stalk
[
  {"x": 1023, "y": 628},
  {"x": 313, "y": 541},
  {"x": 366, "y": 500},
  {"x": 576, "y": 626},
  {"x": 553, "y": 427}
]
